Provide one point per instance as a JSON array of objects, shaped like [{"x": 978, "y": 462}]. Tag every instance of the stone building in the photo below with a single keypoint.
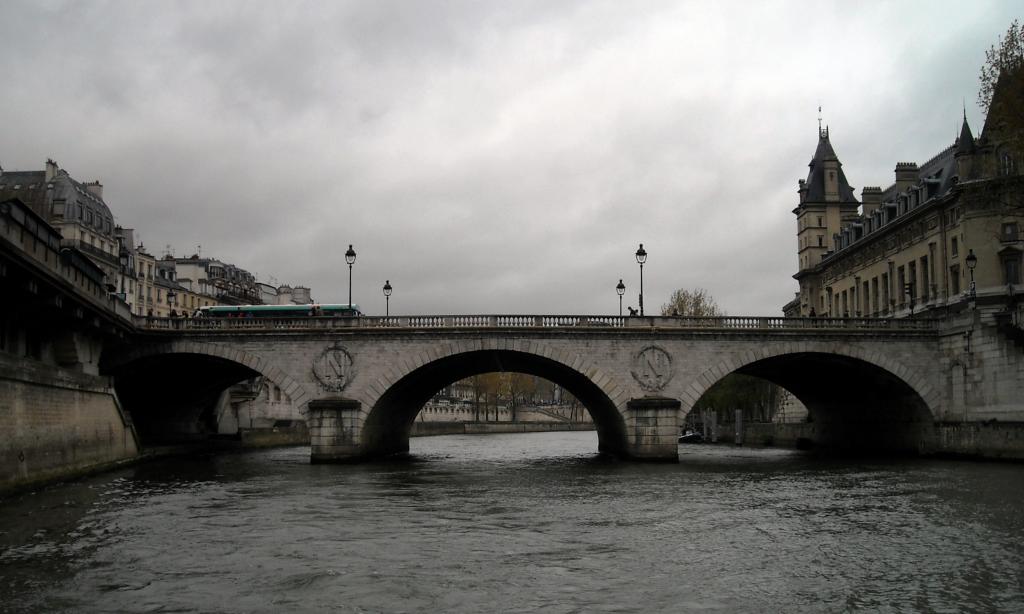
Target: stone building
[
  {"x": 75, "y": 209},
  {"x": 944, "y": 235},
  {"x": 227, "y": 283}
]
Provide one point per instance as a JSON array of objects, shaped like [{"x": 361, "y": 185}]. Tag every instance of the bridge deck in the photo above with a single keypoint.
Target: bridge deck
[{"x": 574, "y": 322}]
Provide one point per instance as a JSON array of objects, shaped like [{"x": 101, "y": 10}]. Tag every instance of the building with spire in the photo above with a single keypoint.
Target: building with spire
[{"x": 942, "y": 236}]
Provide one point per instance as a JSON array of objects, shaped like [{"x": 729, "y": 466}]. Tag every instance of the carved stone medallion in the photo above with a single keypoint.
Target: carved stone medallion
[
  {"x": 334, "y": 368},
  {"x": 652, "y": 368}
]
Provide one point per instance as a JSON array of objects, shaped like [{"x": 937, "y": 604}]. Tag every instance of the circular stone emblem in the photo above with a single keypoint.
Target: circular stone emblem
[
  {"x": 334, "y": 369},
  {"x": 652, "y": 368}
]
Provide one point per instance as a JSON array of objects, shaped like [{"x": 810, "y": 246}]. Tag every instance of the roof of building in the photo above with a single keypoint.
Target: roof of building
[
  {"x": 1003, "y": 118},
  {"x": 939, "y": 175},
  {"x": 32, "y": 188},
  {"x": 965, "y": 143},
  {"x": 816, "y": 176}
]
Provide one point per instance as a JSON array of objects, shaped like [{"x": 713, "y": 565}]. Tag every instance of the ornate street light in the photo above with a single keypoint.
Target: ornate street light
[
  {"x": 387, "y": 298},
  {"x": 350, "y": 258},
  {"x": 620, "y": 290},
  {"x": 972, "y": 261},
  {"x": 641, "y": 257}
]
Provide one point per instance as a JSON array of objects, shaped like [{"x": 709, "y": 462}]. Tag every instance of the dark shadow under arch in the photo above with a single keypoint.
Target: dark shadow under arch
[
  {"x": 171, "y": 397},
  {"x": 855, "y": 406},
  {"x": 389, "y": 422}
]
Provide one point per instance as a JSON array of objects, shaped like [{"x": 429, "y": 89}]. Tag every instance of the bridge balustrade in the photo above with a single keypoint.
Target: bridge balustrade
[{"x": 537, "y": 321}]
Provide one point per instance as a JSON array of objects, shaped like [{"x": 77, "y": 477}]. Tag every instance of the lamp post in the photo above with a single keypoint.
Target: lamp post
[
  {"x": 387, "y": 298},
  {"x": 123, "y": 260},
  {"x": 641, "y": 257},
  {"x": 620, "y": 290},
  {"x": 350, "y": 258},
  {"x": 972, "y": 261}
]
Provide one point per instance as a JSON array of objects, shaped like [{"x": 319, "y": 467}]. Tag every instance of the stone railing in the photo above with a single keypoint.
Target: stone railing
[{"x": 732, "y": 323}]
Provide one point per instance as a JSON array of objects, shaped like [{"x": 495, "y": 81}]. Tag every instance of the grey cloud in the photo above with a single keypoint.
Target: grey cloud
[{"x": 483, "y": 156}]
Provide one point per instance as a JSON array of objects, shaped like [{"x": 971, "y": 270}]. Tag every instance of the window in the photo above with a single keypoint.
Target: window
[
  {"x": 1011, "y": 269},
  {"x": 1009, "y": 231},
  {"x": 901, "y": 284},
  {"x": 821, "y": 241},
  {"x": 924, "y": 277},
  {"x": 819, "y": 222},
  {"x": 1005, "y": 164},
  {"x": 953, "y": 247},
  {"x": 954, "y": 276}
]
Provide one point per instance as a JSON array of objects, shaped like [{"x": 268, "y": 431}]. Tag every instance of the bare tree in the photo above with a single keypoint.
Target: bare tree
[
  {"x": 697, "y": 302},
  {"x": 1005, "y": 57}
]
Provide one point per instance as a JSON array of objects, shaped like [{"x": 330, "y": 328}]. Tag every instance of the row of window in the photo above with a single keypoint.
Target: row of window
[{"x": 915, "y": 284}]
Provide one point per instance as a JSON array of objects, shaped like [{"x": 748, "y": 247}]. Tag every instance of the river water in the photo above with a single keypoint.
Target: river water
[{"x": 521, "y": 523}]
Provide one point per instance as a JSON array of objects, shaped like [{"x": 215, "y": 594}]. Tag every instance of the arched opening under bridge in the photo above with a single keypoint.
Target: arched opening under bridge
[
  {"x": 389, "y": 423},
  {"x": 853, "y": 405},
  {"x": 172, "y": 398}
]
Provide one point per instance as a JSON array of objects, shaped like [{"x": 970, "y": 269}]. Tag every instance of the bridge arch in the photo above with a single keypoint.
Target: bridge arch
[
  {"x": 405, "y": 388},
  {"x": 857, "y": 399},
  {"x": 170, "y": 389}
]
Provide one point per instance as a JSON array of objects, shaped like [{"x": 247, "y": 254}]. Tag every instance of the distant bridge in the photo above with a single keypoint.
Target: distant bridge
[{"x": 867, "y": 383}]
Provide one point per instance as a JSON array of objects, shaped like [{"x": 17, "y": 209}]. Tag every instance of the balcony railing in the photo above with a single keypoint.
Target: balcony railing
[{"x": 596, "y": 323}]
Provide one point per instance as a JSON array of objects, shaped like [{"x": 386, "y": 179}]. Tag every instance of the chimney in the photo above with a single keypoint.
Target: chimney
[
  {"x": 871, "y": 199},
  {"x": 51, "y": 169},
  {"x": 95, "y": 188},
  {"x": 906, "y": 176}
]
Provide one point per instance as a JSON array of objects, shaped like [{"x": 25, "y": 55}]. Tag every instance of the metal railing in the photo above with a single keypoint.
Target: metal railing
[{"x": 735, "y": 323}]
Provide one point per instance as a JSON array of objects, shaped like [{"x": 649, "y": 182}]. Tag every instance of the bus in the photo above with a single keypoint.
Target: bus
[{"x": 279, "y": 311}]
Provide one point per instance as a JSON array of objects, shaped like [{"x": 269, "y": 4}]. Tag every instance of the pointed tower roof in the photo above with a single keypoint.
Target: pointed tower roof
[
  {"x": 816, "y": 177},
  {"x": 965, "y": 144}
]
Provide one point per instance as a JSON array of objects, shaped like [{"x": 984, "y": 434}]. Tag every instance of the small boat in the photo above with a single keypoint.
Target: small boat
[{"x": 691, "y": 437}]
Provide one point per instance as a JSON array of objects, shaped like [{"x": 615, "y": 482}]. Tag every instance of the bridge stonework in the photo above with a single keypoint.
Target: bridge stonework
[{"x": 362, "y": 384}]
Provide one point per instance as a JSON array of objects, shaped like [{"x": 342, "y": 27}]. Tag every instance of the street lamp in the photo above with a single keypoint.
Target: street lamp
[
  {"x": 123, "y": 259},
  {"x": 972, "y": 261},
  {"x": 387, "y": 298},
  {"x": 350, "y": 258},
  {"x": 620, "y": 290},
  {"x": 641, "y": 257}
]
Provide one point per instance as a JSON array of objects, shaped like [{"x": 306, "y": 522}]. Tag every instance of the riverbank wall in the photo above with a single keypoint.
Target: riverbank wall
[
  {"x": 426, "y": 429},
  {"x": 990, "y": 440},
  {"x": 58, "y": 423}
]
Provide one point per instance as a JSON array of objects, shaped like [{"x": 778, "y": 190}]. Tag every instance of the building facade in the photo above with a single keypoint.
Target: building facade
[{"x": 941, "y": 237}]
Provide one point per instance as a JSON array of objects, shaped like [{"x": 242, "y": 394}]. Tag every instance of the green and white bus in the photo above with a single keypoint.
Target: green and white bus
[{"x": 280, "y": 311}]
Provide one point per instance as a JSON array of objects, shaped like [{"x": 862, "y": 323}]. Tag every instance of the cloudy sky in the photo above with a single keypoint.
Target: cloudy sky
[{"x": 485, "y": 157}]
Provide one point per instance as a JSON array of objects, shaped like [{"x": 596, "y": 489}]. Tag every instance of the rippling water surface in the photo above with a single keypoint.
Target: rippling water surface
[{"x": 521, "y": 523}]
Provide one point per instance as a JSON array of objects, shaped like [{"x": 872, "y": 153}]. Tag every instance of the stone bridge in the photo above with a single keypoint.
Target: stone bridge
[{"x": 867, "y": 383}]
